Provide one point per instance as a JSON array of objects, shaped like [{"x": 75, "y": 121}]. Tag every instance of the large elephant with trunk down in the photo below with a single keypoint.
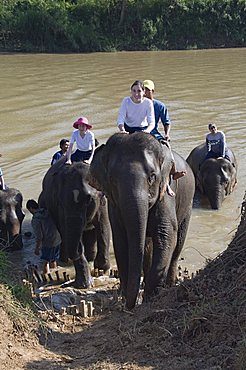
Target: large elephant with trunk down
[
  {"x": 11, "y": 218},
  {"x": 81, "y": 216},
  {"x": 215, "y": 177},
  {"x": 133, "y": 171}
]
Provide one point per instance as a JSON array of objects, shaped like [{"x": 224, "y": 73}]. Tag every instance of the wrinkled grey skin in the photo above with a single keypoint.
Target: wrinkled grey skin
[
  {"x": 11, "y": 218},
  {"x": 133, "y": 171},
  {"x": 80, "y": 216},
  {"x": 215, "y": 177}
]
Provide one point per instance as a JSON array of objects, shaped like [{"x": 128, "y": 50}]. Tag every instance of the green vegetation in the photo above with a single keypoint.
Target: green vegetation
[{"x": 108, "y": 25}]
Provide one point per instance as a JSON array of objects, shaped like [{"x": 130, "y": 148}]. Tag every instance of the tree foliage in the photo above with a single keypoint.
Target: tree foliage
[{"x": 104, "y": 25}]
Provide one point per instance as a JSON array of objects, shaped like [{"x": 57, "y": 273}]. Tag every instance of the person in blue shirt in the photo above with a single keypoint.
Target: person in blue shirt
[
  {"x": 161, "y": 113},
  {"x": 64, "y": 145}
]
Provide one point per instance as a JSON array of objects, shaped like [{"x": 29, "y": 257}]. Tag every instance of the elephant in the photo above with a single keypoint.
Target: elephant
[
  {"x": 133, "y": 170},
  {"x": 215, "y": 177},
  {"x": 11, "y": 218},
  {"x": 81, "y": 215}
]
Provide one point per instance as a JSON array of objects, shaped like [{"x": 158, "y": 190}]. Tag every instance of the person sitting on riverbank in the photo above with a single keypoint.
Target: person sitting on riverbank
[
  {"x": 216, "y": 143},
  {"x": 47, "y": 237},
  {"x": 64, "y": 145},
  {"x": 85, "y": 141}
]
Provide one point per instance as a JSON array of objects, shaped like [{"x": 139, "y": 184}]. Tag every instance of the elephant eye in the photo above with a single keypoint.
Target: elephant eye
[{"x": 152, "y": 179}]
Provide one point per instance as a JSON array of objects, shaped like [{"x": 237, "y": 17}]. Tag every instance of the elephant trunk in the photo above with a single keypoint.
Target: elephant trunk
[
  {"x": 135, "y": 220},
  {"x": 215, "y": 197},
  {"x": 14, "y": 231}
]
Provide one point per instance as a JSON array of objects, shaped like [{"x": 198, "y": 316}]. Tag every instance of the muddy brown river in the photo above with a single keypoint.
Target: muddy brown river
[{"x": 41, "y": 96}]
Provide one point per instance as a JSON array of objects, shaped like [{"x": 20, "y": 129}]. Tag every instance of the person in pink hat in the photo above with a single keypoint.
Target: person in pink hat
[{"x": 85, "y": 142}]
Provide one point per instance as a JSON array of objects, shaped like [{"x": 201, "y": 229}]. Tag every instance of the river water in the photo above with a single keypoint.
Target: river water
[{"x": 42, "y": 95}]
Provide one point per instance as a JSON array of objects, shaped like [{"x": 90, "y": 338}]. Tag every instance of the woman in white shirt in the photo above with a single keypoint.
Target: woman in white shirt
[
  {"x": 136, "y": 112},
  {"x": 85, "y": 142}
]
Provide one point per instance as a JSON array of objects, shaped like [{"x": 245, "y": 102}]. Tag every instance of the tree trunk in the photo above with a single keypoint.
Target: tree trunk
[{"x": 122, "y": 13}]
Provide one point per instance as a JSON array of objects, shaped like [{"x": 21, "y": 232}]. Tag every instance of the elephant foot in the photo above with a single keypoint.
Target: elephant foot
[
  {"x": 102, "y": 266},
  {"x": 78, "y": 285},
  {"x": 83, "y": 279}
]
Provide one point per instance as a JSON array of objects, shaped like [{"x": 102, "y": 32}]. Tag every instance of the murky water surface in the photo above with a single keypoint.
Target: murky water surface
[{"x": 42, "y": 95}]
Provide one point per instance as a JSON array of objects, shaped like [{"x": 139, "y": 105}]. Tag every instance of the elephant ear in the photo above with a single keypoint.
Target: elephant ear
[
  {"x": 166, "y": 165},
  {"x": 97, "y": 173}
]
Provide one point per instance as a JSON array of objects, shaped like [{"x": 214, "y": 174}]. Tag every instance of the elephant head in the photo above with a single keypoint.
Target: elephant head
[
  {"x": 133, "y": 171},
  {"x": 216, "y": 179},
  {"x": 11, "y": 217},
  {"x": 74, "y": 206}
]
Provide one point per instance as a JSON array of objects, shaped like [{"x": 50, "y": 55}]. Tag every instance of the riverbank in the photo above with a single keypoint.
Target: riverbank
[
  {"x": 81, "y": 27},
  {"x": 198, "y": 324}
]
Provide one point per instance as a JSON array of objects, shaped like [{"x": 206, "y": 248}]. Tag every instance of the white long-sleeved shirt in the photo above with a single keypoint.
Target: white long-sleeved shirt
[
  {"x": 136, "y": 114},
  {"x": 84, "y": 144}
]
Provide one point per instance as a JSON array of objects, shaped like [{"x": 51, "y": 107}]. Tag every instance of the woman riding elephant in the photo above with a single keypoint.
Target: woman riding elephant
[
  {"x": 133, "y": 171},
  {"x": 80, "y": 217}
]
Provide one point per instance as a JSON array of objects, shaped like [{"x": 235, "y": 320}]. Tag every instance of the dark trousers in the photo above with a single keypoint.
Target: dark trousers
[
  {"x": 131, "y": 130},
  {"x": 79, "y": 155},
  {"x": 212, "y": 154}
]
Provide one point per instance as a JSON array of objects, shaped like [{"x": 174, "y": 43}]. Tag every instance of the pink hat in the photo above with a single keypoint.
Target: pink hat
[{"x": 82, "y": 121}]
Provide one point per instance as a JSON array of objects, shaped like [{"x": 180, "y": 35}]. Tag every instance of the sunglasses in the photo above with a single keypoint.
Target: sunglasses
[{"x": 211, "y": 127}]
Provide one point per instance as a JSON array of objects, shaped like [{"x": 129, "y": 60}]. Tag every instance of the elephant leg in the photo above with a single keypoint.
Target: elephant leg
[
  {"x": 182, "y": 232},
  {"x": 164, "y": 237},
  {"x": 82, "y": 273},
  {"x": 103, "y": 239},
  {"x": 89, "y": 241},
  {"x": 120, "y": 247},
  {"x": 76, "y": 253}
]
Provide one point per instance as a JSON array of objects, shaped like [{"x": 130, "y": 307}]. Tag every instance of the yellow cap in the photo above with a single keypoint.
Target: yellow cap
[{"x": 149, "y": 84}]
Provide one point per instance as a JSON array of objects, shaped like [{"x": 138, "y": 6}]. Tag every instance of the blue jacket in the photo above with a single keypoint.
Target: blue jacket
[{"x": 161, "y": 113}]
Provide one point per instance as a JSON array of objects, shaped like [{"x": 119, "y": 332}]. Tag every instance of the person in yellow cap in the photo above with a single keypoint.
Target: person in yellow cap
[
  {"x": 160, "y": 110},
  {"x": 161, "y": 113}
]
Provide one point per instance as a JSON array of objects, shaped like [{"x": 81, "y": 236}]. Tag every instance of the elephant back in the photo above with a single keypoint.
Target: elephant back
[{"x": 196, "y": 157}]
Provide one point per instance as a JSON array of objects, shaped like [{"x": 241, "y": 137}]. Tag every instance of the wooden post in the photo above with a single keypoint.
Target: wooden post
[
  {"x": 90, "y": 309},
  {"x": 63, "y": 311},
  {"x": 50, "y": 276},
  {"x": 65, "y": 275},
  {"x": 83, "y": 308},
  {"x": 73, "y": 309},
  {"x": 57, "y": 275}
]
